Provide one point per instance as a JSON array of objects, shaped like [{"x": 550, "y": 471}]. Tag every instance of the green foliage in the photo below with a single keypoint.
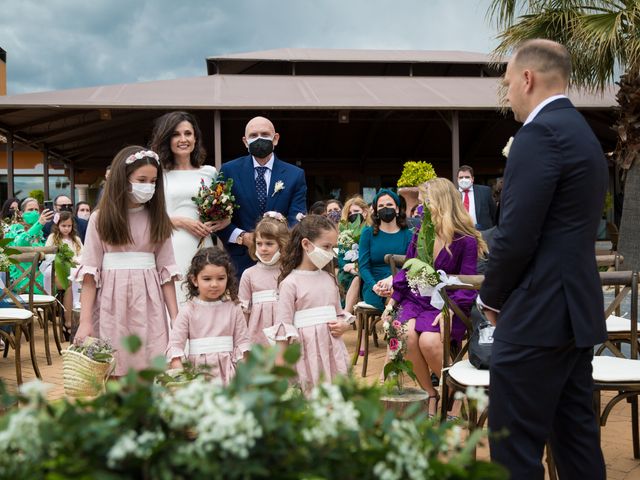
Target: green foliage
[
  {"x": 38, "y": 195},
  {"x": 260, "y": 426},
  {"x": 416, "y": 173},
  {"x": 608, "y": 204},
  {"x": 63, "y": 263}
]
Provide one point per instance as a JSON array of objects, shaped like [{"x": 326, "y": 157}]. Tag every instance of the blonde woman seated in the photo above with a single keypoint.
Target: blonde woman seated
[{"x": 456, "y": 249}]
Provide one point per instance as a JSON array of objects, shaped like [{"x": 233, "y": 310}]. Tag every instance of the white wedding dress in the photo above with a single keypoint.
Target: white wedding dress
[{"x": 180, "y": 187}]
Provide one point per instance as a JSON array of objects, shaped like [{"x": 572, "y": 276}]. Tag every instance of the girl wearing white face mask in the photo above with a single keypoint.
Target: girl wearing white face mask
[
  {"x": 309, "y": 302},
  {"x": 259, "y": 283},
  {"x": 127, "y": 267}
]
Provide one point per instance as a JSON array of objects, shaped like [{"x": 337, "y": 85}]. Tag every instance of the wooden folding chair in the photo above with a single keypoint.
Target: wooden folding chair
[
  {"x": 47, "y": 307},
  {"x": 619, "y": 374},
  {"x": 16, "y": 318}
]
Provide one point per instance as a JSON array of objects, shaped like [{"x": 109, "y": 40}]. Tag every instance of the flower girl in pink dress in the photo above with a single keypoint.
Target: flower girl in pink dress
[
  {"x": 127, "y": 267},
  {"x": 309, "y": 302},
  {"x": 259, "y": 283},
  {"x": 212, "y": 319}
]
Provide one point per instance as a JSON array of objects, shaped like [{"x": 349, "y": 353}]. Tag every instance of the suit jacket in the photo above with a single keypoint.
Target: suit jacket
[
  {"x": 485, "y": 207},
  {"x": 81, "y": 225},
  {"x": 542, "y": 271},
  {"x": 290, "y": 201}
]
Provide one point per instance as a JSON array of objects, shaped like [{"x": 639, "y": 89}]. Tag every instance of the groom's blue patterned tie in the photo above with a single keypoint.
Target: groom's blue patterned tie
[{"x": 261, "y": 189}]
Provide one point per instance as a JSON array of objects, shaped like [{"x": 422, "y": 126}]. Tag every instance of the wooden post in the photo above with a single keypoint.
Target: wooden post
[
  {"x": 72, "y": 181},
  {"x": 10, "y": 166},
  {"x": 45, "y": 171},
  {"x": 217, "y": 139},
  {"x": 455, "y": 146}
]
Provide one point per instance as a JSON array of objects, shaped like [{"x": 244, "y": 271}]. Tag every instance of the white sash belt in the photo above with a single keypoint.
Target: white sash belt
[
  {"x": 128, "y": 261},
  {"x": 314, "y": 316},
  {"x": 264, "y": 296},
  {"x": 201, "y": 346}
]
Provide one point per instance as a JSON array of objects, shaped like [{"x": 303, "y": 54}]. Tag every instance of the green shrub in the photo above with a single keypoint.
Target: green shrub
[
  {"x": 257, "y": 427},
  {"x": 416, "y": 173}
]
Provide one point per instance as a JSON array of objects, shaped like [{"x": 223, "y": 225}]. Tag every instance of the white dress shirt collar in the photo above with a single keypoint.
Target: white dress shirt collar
[
  {"x": 269, "y": 164},
  {"x": 540, "y": 106}
]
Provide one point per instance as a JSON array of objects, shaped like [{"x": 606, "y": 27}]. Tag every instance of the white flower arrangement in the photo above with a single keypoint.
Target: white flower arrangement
[
  {"x": 331, "y": 413},
  {"x": 278, "y": 187},
  {"x": 403, "y": 459},
  {"x": 507, "y": 148},
  {"x": 142, "y": 154},
  {"x": 300, "y": 216},
  {"x": 354, "y": 254}
]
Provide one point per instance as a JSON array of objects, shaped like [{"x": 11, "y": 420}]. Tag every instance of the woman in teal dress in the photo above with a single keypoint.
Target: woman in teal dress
[
  {"x": 388, "y": 235},
  {"x": 28, "y": 234}
]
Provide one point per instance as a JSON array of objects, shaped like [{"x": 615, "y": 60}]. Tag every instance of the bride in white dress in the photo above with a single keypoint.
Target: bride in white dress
[{"x": 177, "y": 140}]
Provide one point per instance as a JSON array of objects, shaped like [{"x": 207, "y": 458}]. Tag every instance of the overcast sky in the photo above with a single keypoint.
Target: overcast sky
[{"x": 59, "y": 44}]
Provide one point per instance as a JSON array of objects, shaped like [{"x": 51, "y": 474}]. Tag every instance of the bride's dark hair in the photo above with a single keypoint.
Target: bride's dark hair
[{"x": 161, "y": 139}]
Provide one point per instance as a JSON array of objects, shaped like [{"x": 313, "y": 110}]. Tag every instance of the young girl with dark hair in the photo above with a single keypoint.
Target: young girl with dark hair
[
  {"x": 127, "y": 267},
  {"x": 212, "y": 319},
  {"x": 259, "y": 283},
  {"x": 309, "y": 302}
]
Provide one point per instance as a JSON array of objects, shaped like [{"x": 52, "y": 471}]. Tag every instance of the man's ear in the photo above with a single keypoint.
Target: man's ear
[
  {"x": 528, "y": 80},
  {"x": 244, "y": 140},
  {"x": 276, "y": 137}
]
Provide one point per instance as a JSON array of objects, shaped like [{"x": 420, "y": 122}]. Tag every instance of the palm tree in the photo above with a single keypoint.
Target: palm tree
[{"x": 602, "y": 36}]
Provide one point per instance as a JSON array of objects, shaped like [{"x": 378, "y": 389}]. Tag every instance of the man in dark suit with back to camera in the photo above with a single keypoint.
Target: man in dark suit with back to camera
[
  {"x": 542, "y": 288},
  {"x": 261, "y": 183},
  {"x": 477, "y": 199}
]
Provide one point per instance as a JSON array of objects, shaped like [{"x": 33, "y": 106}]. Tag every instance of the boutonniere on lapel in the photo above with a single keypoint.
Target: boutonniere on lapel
[
  {"x": 507, "y": 147},
  {"x": 278, "y": 187}
]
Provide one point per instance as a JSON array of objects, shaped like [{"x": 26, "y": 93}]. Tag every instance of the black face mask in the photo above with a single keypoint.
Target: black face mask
[
  {"x": 66, "y": 208},
  {"x": 11, "y": 213},
  {"x": 261, "y": 147},
  {"x": 387, "y": 214},
  {"x": 355, "y": 216}
]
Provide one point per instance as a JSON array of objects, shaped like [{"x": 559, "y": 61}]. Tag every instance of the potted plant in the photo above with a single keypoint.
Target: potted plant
[{"x": 413, "y": 175}]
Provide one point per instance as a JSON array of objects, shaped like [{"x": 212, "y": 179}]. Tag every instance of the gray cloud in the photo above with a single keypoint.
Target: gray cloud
[{"x": 61, "y": 44}]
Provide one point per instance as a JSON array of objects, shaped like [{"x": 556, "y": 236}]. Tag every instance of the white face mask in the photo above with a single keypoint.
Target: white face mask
[
  {"x": 273, "y": 261},
  {"x": 84, "y": 215},
  {"x": 465, "y": 183},
  {"x": 320, "y": 257},
  {"x": 142, "y": 192}
]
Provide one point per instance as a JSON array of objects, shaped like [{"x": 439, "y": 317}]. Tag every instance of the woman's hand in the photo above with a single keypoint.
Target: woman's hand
[
  {"x": 350, "y": 268},
  {"x": 219, "y": 225},
  {"x": 338, "y": 328},
  {"x": 45, "y": 217},
  {"x": 194, "y": 227},
  {"x": 440, "y": 321},
  {"x": 384, "y": 287},
  {"x": 84, "y": 330}
]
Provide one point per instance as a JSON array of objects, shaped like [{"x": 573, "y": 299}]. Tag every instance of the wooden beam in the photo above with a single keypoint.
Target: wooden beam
[
  {"x": 10, "y": 165},
  {"x": 45, "y": 171},
  {"x": 455, "y": 146},
  {"x": 217, "y": 139},
  {"x": 51, "y": 118}
]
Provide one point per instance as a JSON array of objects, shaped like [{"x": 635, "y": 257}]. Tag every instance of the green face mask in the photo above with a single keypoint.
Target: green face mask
[{"x": 30, "y": 218}]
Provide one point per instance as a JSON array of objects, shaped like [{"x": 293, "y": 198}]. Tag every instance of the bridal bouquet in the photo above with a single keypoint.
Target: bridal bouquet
[
  {"x": 348, "y": 240},
  {"x": 215, "y": 202},
  {"x": 421, "y": 276}
]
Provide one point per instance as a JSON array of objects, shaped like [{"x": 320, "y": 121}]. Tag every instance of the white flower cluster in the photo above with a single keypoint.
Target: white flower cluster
[
  {"x": 507, "y": 147},
  {"x": 453, "y": 439},
  {"x": 21, "y": 440},
  {"x": 220, "y": 423},
  {"x": 345, "y": 239},
  {"x": 142, "y": 154},
  {"x": 353, "y": 254},
  {"x": 405, "y": 458},
  {"x": 477, "y": 395},
  {"x": 35, "y": 390},
  {"x": 130, "y": 444},
  {"x": 331, "y": 413},
  {"x": 423, "y": 282}
]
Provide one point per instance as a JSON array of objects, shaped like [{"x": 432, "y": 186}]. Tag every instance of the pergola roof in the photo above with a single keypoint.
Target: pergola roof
[
  {"x": 91, "y": 123},
  {"x": 229, "y": 92}
]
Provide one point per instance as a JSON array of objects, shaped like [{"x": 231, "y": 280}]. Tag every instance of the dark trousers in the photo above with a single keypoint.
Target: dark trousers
[{"x": 539, "y": 394}]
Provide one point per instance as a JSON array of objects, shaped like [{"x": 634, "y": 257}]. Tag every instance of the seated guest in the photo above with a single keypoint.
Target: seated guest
[
  {"x": 388, "y": 235},
  {"x": 456, "y": 249},
  {"x": 10, "y": 209},
  {"x": 318, "y": 208},
  {"x": 355, "y": 209},
  {"x": 334, "y": 209},
  {"x": 62, "y": 203}
]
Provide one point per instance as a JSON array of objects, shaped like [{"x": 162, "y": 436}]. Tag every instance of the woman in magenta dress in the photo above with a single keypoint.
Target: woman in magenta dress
[
  {"x": 127, "y": 267},
  {"x": 456, "y": 249}
]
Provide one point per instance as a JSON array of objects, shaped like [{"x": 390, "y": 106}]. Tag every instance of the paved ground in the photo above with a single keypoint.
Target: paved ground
[{"x": 616, "y": 436}]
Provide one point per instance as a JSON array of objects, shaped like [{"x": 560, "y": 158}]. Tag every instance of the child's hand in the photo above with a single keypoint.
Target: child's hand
[
  {"x": 175, "y": 363},
  {"x": 337, "y": 329},
  {"x": 84, "y": 330}
]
